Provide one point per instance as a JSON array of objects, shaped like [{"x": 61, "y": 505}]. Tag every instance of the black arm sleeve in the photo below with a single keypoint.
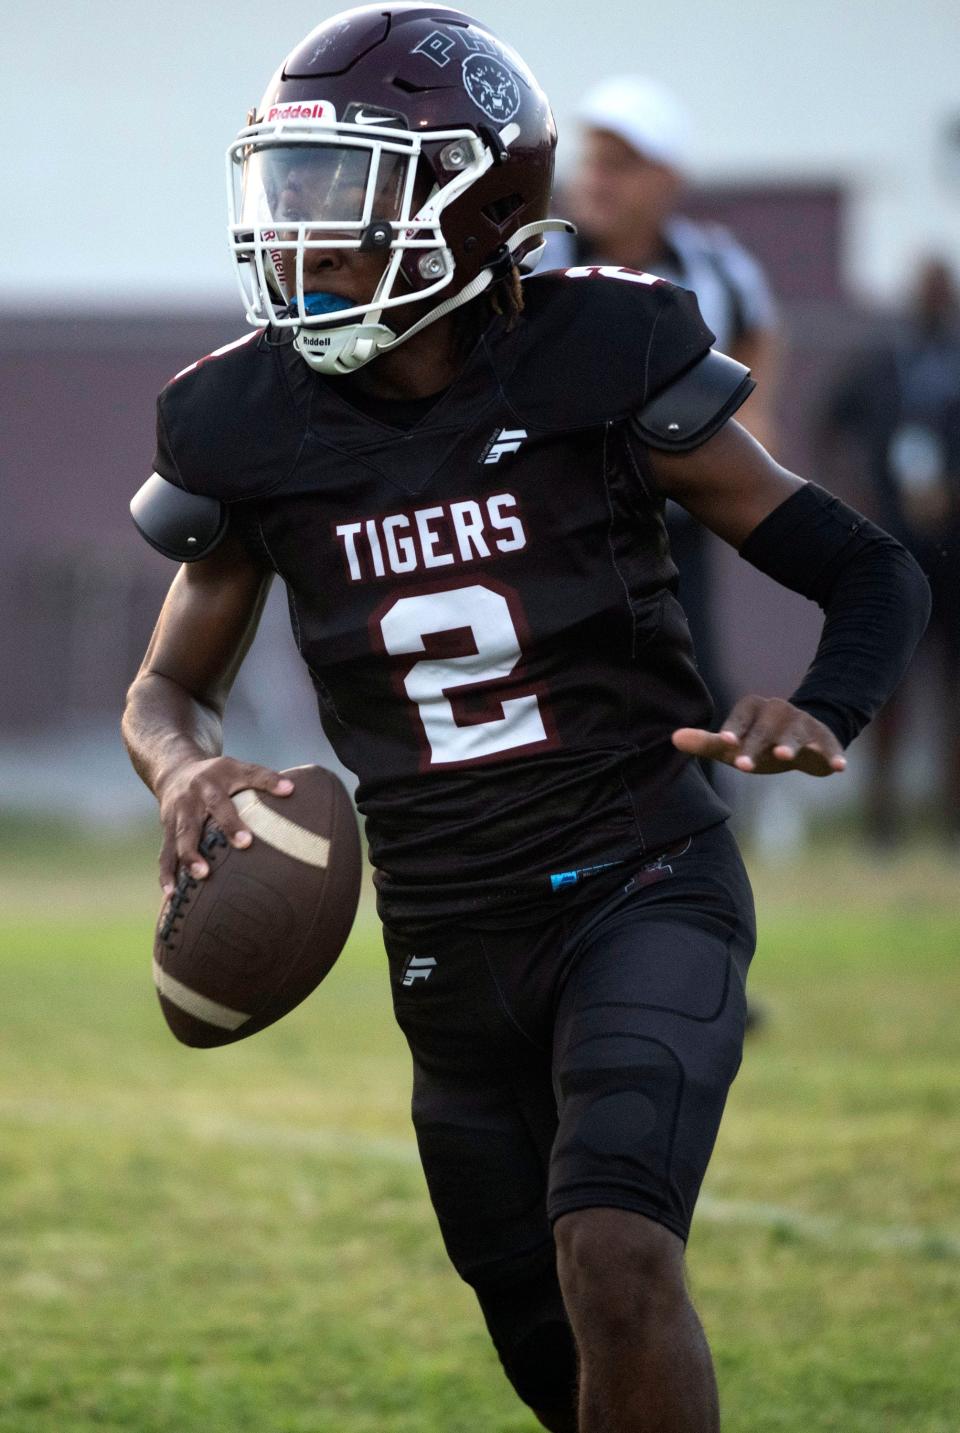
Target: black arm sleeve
[{"x": 875, "y": 598}]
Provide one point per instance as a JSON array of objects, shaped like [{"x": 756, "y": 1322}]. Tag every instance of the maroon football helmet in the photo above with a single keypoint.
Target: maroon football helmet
[{"x": 405, "y": 128}]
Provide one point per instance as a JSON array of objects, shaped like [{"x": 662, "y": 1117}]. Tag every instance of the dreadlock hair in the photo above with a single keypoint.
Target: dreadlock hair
[{"x": 506, "y": 297}]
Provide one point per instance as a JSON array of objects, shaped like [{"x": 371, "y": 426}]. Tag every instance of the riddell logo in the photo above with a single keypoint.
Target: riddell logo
[{"x": 303, "y": 109}]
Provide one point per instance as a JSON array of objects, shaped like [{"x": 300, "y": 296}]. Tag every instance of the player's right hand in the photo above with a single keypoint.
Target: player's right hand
[{"x": 198, "y": 789}]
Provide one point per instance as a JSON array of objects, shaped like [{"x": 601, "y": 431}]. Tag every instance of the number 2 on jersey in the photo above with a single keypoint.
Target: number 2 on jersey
[{"x": 486, "y": 615}]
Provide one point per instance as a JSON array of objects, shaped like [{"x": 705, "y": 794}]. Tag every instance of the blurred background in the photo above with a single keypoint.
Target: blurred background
[
  {"x": 241, "y": 1239},
  {"x": 827, "y": 141}
]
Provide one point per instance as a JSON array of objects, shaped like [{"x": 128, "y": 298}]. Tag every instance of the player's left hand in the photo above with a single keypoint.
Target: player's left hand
[{"x": 765, "y": 735}]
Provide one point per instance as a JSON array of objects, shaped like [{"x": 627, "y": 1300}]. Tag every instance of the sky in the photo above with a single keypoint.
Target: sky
[{"x": 120, "y": 118}]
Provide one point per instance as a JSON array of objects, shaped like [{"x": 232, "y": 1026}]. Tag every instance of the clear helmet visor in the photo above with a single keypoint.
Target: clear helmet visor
[{"x": 326, "y": 184}]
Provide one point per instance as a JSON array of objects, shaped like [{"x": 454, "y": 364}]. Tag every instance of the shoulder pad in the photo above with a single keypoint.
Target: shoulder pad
[
  {"x": 181, "y": 525},
  {"x": 696, "y": 405},
  {"x": 596, "y": 342}
]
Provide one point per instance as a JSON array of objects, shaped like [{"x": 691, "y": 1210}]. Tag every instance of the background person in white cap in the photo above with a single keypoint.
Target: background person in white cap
[{"x": 623, "y": 195}]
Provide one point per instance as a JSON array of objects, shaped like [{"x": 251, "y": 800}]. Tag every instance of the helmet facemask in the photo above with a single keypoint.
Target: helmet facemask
[{"x": 297, "y": 186}]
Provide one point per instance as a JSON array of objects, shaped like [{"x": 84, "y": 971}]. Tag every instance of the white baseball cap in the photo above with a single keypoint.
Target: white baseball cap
[{"x": 643, "y": 113}]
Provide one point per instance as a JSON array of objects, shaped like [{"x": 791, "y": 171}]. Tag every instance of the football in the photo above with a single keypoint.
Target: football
[{"x": 237, "y": 950}]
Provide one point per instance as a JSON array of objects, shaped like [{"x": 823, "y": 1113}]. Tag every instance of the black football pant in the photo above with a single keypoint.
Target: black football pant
[{"x": 577, "y": 1063}]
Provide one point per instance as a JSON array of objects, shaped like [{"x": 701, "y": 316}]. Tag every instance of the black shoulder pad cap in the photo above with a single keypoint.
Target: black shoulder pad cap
[
  {"x": 181, "y": 525},
  {"x": 698, "y": 403}
]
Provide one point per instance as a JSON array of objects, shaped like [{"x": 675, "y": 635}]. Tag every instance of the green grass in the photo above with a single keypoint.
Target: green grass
[{"x": 214, "y": 1242}]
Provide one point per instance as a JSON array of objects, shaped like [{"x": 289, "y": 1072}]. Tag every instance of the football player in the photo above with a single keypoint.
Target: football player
[{"x": 460, "y": 478}]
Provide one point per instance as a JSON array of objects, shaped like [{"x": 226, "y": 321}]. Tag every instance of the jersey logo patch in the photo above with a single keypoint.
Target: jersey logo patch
[
  {"x": 418, "y": 967},
  {"x": 504, "y": 440}
]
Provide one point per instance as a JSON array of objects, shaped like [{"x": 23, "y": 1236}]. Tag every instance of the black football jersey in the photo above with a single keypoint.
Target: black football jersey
[{"x": 484, "y": 601}]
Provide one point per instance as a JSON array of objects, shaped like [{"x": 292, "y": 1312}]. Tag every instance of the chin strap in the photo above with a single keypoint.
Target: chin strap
[{"x": 328, "y": 352}]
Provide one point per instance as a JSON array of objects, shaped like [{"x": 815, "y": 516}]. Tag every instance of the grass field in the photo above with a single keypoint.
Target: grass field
[{"x": 239, "y": 1241}]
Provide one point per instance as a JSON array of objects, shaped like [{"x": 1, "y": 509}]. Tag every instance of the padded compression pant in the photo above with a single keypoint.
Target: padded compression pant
[{"x": 580, "y": 1063}]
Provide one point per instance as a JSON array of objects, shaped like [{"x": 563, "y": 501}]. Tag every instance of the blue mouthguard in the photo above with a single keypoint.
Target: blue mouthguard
[{"x": 321, "y": 303}]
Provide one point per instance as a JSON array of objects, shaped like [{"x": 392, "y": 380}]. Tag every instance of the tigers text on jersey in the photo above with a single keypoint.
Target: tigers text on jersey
[{"x": 485, "y": 600}]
